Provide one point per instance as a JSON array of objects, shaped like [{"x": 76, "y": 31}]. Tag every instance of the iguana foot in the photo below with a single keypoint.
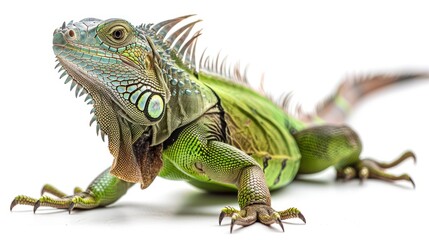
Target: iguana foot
[
  {"x": 369, "y": 168},
  {"x": 80, "y": 199},
  {"x": 258, "y": 212}
]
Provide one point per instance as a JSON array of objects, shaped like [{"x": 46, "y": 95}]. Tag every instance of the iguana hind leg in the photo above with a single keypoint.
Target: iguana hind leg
[
  {"x": 104, "y": 190},
  {"x": 339, "y": 146}
]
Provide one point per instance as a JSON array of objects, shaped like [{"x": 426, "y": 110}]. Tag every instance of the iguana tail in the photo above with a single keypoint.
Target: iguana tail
[{"x": 336, "y": 108}]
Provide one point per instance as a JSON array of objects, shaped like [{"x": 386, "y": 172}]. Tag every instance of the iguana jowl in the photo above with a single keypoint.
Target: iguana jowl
[{"x": 164, "y": 118}]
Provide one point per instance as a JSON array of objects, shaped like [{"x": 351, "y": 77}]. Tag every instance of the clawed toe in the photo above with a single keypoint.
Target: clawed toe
[
  {"x": 22, "y": 200},
  {"x": 369, "y": 168},
  {"x": 80, "y": 199},
  {"x": 258, "y": 212}
]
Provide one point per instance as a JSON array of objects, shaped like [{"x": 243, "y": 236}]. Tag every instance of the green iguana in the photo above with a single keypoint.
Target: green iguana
[{"x": 165, "y": 115}]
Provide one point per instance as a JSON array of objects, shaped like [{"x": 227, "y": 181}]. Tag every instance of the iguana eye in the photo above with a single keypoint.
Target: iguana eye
[
  {"x": 115, "y": 34},
  {"x": 118, "y": 34}
]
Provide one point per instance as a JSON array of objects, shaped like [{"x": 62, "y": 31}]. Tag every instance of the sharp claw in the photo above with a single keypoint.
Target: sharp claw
[
  {"x": 279, "y": 221},
  {"x": 411, "y": 181},
  {"x": 72, "y": 204},
  {"x": 232, "y": 225},
  {"x": 406, "y": 156},
  {"x": 300, "y": 216},
  {"x": 36, "y": 206},
  {"x": 13, "y": 204},
  {"x": 221, "y": 217}
]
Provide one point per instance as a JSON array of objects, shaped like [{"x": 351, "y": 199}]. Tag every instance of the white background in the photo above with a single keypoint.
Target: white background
[{"x": 302, "y": 46}]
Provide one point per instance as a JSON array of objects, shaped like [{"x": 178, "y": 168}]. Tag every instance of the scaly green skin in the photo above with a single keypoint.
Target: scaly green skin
[{"x": 163, "y": 118}]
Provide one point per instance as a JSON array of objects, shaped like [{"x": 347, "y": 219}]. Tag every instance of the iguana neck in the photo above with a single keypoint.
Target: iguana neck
[{"x": 189, "y": 97}]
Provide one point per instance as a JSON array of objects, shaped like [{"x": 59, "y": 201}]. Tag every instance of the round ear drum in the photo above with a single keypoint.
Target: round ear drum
[{"x": 155, "y": 106}]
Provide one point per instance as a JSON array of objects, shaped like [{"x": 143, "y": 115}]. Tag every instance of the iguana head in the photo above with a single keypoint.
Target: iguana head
[
  {"x": 116, "y": 65},
  {"x": 113, "y": 60},
  {"x": 127, "y": 72}
]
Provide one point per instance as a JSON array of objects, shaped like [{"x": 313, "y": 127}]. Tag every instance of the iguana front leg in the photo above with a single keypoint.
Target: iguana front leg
[
  {"x": 105, "y": 189},
  {"x": 255, "y": 202},
  {"x": 199, "y": 154}
]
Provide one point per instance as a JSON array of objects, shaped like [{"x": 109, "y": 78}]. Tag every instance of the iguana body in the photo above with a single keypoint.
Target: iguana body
[{"x": 164, "y": 118}]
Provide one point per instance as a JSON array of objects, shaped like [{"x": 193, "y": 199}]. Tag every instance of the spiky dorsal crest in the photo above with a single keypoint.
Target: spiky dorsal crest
[
  {"x": 182, "y": 42},
  {"x": 176, "y": 41}
]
